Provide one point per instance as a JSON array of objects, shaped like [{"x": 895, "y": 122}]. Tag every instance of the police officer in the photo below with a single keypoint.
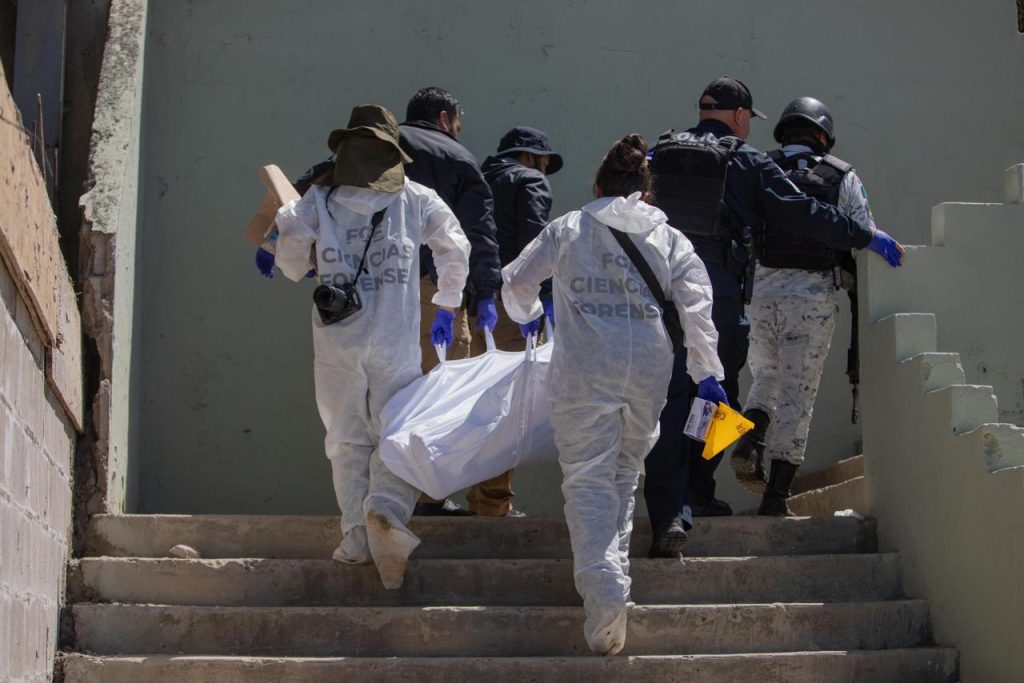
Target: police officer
[
  {"x": 718, "y": 190},
  {"x": 792, "y": 311}
]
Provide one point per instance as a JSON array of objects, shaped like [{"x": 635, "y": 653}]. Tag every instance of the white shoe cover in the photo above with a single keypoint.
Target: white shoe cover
[
  {"x": 606, "y": 632},
  {"x": 390, "y": 545},
  {"x": 354, "y": 548}
]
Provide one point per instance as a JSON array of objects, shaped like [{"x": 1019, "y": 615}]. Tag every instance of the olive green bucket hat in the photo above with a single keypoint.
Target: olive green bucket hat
[{"x": 367, "y": 153}]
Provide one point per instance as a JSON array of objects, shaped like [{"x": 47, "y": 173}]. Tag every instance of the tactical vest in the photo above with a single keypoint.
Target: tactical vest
[
  {"x": 821, "y": 179},
  {"x": 689, "y": 185}
]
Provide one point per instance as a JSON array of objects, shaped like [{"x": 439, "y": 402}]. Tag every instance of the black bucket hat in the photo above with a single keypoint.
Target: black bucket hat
[{"x": 526, "y": 139}]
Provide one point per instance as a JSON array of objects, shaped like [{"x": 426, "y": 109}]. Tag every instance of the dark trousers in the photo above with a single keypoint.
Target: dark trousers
[{"x": 675, "y": 470}]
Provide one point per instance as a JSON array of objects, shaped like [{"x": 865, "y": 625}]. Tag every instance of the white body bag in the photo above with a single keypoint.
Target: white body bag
[{"x": 469, "y": 420}]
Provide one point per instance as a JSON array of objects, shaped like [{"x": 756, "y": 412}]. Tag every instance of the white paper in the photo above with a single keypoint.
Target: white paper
[{"x": 699, "y": 420}]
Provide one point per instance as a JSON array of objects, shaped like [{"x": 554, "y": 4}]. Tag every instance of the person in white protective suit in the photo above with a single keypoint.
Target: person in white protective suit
[
  {"x": 611, "y": 364},
  {"x": 364, "y": 212}
]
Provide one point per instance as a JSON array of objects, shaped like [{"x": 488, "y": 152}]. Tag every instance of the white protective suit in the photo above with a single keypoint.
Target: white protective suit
[
  {"x": 361, "y": 361},
  {"x": 610, "y": 370}
]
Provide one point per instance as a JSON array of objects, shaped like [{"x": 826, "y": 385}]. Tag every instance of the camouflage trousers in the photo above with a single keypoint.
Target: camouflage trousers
[{"x": 790, "y": 336}]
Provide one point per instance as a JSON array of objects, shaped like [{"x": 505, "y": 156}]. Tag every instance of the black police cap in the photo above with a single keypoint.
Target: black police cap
[{"x": 726, "y": 94}]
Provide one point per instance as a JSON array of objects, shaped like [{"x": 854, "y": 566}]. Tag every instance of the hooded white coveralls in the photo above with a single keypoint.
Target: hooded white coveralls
[
  {"x": 610, "y": 370},
  {"x": 361, "y": 361}
]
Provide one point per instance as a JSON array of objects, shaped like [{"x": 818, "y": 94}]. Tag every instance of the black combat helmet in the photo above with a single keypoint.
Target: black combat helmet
[{"x": 807, "y": 109}]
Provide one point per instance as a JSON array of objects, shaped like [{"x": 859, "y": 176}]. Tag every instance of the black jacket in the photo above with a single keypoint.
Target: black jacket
[
  {"x": 522, "y": 204},
  {"x": 441, "y": 163}
]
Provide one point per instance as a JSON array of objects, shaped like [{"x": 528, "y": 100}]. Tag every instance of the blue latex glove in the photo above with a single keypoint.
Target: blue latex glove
[
  {"x": 710, "y": 390},
  {"x": 530, "y": 328},
  {"x": 887, "y": 247},
  {"x": 486, "y": 314},
  {"x": 441, "y": 331},
  {"x": 265, "y": 262},
  {"x": 549, "y": 310}
]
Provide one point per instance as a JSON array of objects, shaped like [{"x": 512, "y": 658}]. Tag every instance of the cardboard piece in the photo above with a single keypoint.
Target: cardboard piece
[{"x": 279, "y": 192}]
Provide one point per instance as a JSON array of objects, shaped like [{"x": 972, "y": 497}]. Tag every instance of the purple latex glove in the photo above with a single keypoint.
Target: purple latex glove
[
  {"x": 441, "y": 330},
  {"x": 265, "y": 262},
  {"x": 530, "y": 328},
  {"x": 549, "y": 310},
  {"x": 710, "y": 390},
  {"x": 486, "y": 314},
  {"x": 887, "y": 247}
]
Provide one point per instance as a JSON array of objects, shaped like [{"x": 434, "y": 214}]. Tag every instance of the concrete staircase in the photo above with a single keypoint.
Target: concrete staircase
[
  {"x": 806, "y": 600},
  {"x": 839, "y": 487}
]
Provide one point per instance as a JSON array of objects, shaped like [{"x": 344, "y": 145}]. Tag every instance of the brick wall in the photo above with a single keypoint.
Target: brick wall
[{"x": 36, "y": 446}]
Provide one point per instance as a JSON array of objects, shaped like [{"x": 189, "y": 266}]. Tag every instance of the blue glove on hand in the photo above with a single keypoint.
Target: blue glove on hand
[
  {"x": 887, "y": 247},
  {"x": 710, "y": 390},
  {"x": 549, "y": 310},
  {"x": 530, "y": 328},
  {"x": 486, "y": 314},
  {"x": 441, "y": 331},
  {"x": 265, "y": 262}
]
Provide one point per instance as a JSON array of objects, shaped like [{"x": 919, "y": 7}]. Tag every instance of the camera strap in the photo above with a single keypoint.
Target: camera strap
[{"x": 374, "y": 222}]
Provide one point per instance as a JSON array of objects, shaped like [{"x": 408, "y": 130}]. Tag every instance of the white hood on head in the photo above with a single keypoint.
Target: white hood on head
[
  {"x": 628, "y": 214},
  {"x": 362, "y": 200}
]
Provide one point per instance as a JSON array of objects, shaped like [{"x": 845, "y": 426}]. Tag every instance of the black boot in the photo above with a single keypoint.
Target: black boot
[
  {"x": 709, "y": 507},
  {"x": 773, "y": 504},
  {"x": 747, "y": 458},
  {"x": 669, "y": 539}
]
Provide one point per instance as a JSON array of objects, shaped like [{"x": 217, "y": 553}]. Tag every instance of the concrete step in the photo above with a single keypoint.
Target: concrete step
[
  {"x": 841, "y": 471},
  {"x": 823, "y": 502},
  {"x": 259, "y": 582},
  {"x": 921, "y": 665},
  {"x": 491, "y": 631},
  {"x": 223, "y": 536}
]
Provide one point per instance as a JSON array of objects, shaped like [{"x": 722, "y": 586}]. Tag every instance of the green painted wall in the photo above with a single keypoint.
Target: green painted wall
[{"x": 927, "y": 103}]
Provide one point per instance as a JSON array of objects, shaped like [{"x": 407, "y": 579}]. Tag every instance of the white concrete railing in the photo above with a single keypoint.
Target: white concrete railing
[{"x": 944, "y": 465}]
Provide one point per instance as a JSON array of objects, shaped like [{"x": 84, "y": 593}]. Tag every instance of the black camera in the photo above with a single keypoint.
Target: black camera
[{"x": 336, "y": 303}]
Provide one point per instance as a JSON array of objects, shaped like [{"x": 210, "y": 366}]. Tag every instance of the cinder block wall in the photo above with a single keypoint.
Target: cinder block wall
[
  {"x": 40, "y": 409},
  {"x": 38, "y": 442}
]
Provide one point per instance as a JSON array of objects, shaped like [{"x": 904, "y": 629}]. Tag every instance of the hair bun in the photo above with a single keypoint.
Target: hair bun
[{"x": 628, "y": 154}]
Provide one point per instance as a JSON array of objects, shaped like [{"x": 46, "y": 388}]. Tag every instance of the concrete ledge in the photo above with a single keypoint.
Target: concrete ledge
[
  {"x": 963, "y": 407},
  {"x": 937, "y": 370},
  {"x": 220, "y": 536},
  {"x": 924, "y": 665},
  {"x": 904, "y": 335},
  {"x": 810, "y": 578},
  {"x": 1002, "y": 444},
  {"x": 492, "y": 631},
  {"x": 823, "y": 502},
  {"x": 844, "y": 470}
]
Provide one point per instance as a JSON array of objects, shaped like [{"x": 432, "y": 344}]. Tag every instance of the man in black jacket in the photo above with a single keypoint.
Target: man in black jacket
[
  {"x": 517, "y": 175},
  {"x": 429, "y": 135}
]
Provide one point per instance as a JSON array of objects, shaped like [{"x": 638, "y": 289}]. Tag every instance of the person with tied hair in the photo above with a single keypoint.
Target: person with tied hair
[{"x": 611, "y": 363}]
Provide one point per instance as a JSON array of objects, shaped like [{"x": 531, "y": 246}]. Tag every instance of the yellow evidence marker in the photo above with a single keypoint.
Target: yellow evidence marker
[{"x": 727, "y": 425}]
